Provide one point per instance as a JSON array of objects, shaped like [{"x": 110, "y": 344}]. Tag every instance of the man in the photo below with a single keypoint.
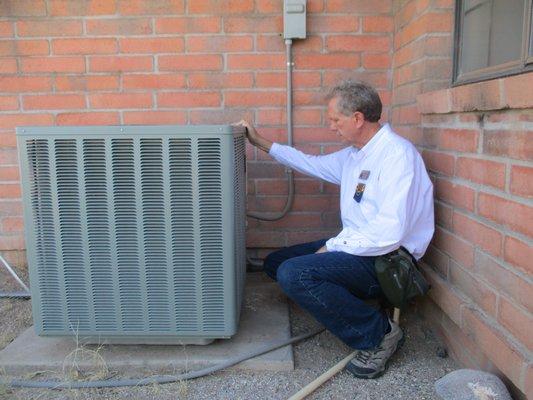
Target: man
[{"x": 386, "y": 201}]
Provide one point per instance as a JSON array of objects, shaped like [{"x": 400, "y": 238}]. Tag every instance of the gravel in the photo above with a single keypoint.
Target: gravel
[{"x": 411, "y": 373}]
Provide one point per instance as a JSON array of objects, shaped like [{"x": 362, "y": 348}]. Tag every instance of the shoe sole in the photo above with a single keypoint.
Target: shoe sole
[{"x": 376, "y": 374}]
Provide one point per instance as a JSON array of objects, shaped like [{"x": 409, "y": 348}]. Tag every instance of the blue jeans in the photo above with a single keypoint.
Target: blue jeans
[{"x": 331, "y": 286}]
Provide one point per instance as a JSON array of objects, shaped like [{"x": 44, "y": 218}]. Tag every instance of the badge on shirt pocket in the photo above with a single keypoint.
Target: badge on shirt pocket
[{"x": 359, "y": 190}]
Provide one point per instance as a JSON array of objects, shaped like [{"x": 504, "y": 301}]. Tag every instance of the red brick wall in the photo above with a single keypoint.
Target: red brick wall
[
  {"x": 188, "y": 62},
  {"x": 474, "y": 141}
]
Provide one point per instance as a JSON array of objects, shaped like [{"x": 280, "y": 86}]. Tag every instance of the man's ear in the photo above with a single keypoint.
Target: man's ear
[{"x": 358, "y": 118}]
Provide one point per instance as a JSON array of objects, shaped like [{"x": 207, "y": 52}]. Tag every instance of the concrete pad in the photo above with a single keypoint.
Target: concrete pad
[{"x": 264, "y": 320}]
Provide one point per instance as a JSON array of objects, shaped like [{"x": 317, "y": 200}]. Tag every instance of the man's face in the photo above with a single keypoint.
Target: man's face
[{"x": 346, "y": 126}]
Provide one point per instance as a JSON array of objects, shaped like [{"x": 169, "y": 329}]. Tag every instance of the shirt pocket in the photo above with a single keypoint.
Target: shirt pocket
[{"x": 370, "y": 200}]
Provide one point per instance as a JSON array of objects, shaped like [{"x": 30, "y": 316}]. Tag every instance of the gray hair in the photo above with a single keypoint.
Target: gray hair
[{"x": 357, "y": 96}]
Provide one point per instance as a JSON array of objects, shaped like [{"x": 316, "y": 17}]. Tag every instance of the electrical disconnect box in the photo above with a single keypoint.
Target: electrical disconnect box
[{"x": 294, "y": 12}]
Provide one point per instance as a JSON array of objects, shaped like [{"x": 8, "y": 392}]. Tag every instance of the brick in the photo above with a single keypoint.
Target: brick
[
  {"x": 446, "y": 298},
  {"x": 272, "y": 239},
  {"x": 517, "y": 321},
  {"x": 278, "y": 187},
  {"x": 204, "y": 62},
  {"x": 152, "y": 46},
  {"x": 8, "y": 156},
  {"x": 188, "y": 25},
  {"x": 10, "y": 191},
  {"x": 48, "y": 28},
  {"x": 23, "y": 8},
  {"x": 62, "y": 8},
  {"x": 213, "y": 44},
  {"x": 10, "y": 121},
  {"x": 327, "y": 61},
  {"x": 221, "y": 7},
  {"x": 118, "y": 27},
  {"x": 188, "y": 99},
  {"x": 23, "y": 47},
  {"x": 503, "y": 279},
  {"x": 462, "y": 348},
  {"x": 8, "y": 139},
  {"x": 254, "y": 98},
  {"x": 465, "y": 140},
  {"x": 6, "y": 29},
  {"x": 266, "y": 170},
  {"x": 457, "y": 248},
  {"x": 443, "y": 163},
  {"x": 477, "y": 97},
  {"x": 225, "y": 116},
  {"x": 455, "y": 194},
  {"x": 438, "y": 46},
  {"x": 8, "y": 66},
  {"x": 377, "y": 61},
  {"x": 9, "y": 174},
  {"x": 154, "y": 81},
  {"x": 9, "y": 103},
  {"x": 358, "y": 43},
  {"x": 473, "y": 288},
  {"x": 84, "y": 46},
  {"x": 220, "y": 80},
  {"x": 256, "y": 61},
  {"x": 120, "y": 100},
  {"x": 438, "y": 260},
  {"x": 504, "y": 143},
  {"x": 120, "y": 64},
  {"x": 12, "y": 242},
  {"x": 293, "y": 221},
  {"x": 498, "y": 348},
  {"x": 310, "y": 135},
  {"x": 88, "y": 118},
  {"x": 443, "y": 215},
  {"x": 279, "y": 79},
  {"x": 160, "y": 7},
  {"x": 155, "y": 117},
  {"x": 515, "y": 93},
  {"x": 270, "y": 7},
  {"x": 509, "y": 213},
  {"x": 77, "y": 83},
  {"x": 330, "y": 23},
  {"x": 358, "y": 6},
  {"x": 53, "y": 102},
  {"x": 53, "y": 64},
  {"x": 481, "y": 171},
  {"x": 380, "y": 80},
  {"x": 522, "y": 180},
  {"x": 277, "y": 116},
  {"x": 10, "y": 207},
  {"x": 519, "y": 254},
  {"x": 378, "y": 24},
  {"x": 12, "y": 225},
  {"x": 253, "y": 24},
  {"x": 487, "y": 238}
]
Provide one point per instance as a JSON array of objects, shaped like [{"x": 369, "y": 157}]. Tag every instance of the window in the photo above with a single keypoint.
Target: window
[{"x": 492, "y": 38}]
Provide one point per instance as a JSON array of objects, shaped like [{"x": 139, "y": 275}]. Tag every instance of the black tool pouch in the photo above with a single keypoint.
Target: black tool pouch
[{"x": 399, "y": 277}]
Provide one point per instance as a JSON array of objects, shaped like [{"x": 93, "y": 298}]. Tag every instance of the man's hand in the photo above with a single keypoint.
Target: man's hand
[
  {"x": 323, "y": 249},
  {"x": 254, "y": 137}
]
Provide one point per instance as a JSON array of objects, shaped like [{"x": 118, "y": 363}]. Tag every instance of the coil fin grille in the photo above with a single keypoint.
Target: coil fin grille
[{"x": 130, "y": 235}]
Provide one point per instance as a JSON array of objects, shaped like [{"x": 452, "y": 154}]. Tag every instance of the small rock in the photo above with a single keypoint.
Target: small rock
[
  {"x": 469, "y": 384},
  {"x": 442, "y": 352}
]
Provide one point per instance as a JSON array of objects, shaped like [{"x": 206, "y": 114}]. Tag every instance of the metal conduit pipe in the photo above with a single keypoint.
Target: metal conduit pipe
[
  {"x": 290, "y": 176},
  {"x": 263, "y": 216}
]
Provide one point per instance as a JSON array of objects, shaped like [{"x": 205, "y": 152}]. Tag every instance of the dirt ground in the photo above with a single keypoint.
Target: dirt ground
[{"x": 411, "y": 373}]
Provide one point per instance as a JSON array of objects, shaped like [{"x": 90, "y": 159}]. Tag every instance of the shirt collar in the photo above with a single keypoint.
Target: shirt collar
[{"x": 376, "y": 140}]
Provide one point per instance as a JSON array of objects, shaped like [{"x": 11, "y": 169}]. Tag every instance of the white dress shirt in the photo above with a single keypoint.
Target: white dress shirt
[{"x": 396, "y": 206}]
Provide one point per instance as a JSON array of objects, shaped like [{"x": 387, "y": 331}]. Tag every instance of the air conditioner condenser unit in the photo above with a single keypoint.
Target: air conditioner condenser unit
[{"x": 135, "y": 234}]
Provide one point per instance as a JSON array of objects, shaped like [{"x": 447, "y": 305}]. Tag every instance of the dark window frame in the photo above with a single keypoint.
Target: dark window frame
[{"x": 524, "y": 64}]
